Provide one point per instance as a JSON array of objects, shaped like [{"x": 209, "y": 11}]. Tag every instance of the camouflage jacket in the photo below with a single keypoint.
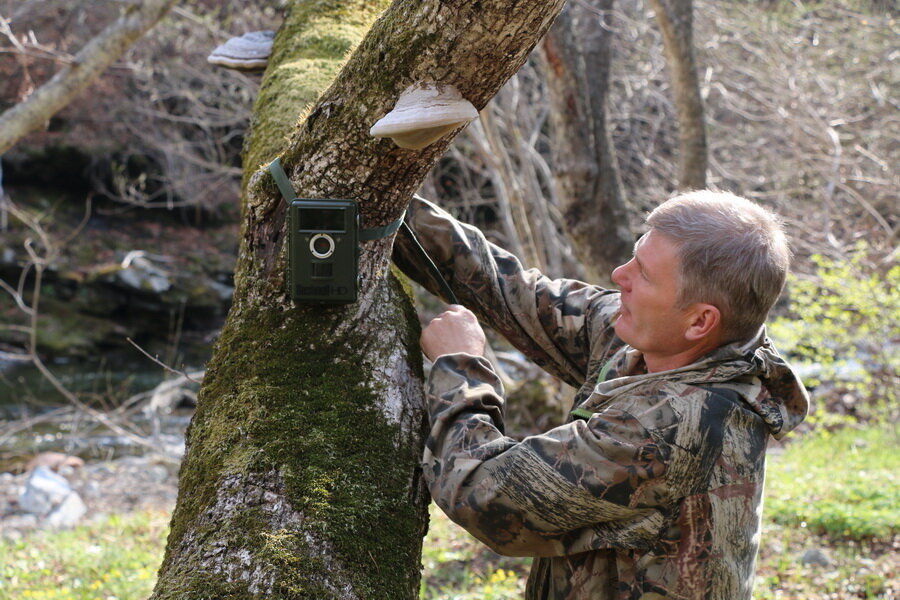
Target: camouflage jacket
[{"x": 652, "y": 489}]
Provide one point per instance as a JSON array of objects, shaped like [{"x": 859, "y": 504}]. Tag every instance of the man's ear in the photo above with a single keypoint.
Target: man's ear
[{"x": 705, "y": 322}]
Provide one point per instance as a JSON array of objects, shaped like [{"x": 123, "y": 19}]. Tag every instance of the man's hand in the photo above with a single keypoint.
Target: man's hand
[{"x": 454, "y": 330}]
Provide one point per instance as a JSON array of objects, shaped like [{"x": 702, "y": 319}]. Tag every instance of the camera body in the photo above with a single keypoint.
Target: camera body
[{"x": 323, "y": 247}]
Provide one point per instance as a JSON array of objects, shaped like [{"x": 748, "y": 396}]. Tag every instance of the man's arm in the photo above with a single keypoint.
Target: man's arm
[
  {"x": 554, "y": 322},
  {"x": 582, "y": 486}
]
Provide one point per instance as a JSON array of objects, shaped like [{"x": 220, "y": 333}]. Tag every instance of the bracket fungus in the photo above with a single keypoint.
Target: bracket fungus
[
  {"x": 424, "y": 113},
  {"x": 249, "y": 52}
]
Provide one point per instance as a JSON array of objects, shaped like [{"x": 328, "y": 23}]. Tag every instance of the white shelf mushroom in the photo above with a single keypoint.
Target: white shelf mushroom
[
  {"x": 425, "y": 112},
  {"x": 249, "y": 52}
]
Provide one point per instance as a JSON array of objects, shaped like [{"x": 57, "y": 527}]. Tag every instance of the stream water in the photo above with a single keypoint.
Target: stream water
[{"x": 106, "y": 382}]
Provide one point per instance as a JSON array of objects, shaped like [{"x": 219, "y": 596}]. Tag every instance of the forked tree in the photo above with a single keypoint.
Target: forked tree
[{"x": 301, "y": 477}]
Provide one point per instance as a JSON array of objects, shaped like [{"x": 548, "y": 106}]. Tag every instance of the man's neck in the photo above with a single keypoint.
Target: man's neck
[{"x": 666, "y": 362}]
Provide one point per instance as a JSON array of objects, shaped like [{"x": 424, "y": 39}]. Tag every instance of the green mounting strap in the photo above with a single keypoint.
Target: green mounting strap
[
  {"x": 374, "y": 233},
  {"x": 435, "y": 272},
  {"x": 583, "y": 413},
  {"x": 284, "y": 184},
  {"x": 604, "y": 371},
  {"x": 287, "y": 190}
]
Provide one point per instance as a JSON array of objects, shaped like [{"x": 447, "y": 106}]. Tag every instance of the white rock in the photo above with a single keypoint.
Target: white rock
[
  {"x": 158, "y": 473},
  {"x": 11, "y": 527},
  {"x": 815, "y": 556},
  {"x": 43, "y": 490},
  {"x": 68, "y": 513}
]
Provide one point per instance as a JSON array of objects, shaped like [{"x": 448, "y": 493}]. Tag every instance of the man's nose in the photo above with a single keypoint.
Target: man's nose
[{"x": 618, "y": 275}]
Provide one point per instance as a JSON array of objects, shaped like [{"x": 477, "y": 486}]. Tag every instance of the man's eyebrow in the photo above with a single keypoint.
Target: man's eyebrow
[
  {"x": 636, "y": 258},
  {"x": 640, "y": 264},
  {"x": 639, "y": 241}
]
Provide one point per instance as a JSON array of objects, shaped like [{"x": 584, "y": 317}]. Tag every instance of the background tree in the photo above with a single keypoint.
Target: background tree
[
  {"x": 675, "y": 18},
  {"x": 301, "y": 476},
  {"x": 577, "y": 53}
]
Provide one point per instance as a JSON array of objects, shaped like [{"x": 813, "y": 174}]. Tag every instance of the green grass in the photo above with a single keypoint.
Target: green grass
[
  {"x": 836, "y": 491},
  {"x": 114, "y": 558},
  {"x": 844, "y": 485},
  {"x": 459, "y": 567}
]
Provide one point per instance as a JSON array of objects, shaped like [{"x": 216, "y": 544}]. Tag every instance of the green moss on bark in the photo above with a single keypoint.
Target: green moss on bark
[
  {"x": 285, "y": 396},
  {"x": 310, "y": 48}
]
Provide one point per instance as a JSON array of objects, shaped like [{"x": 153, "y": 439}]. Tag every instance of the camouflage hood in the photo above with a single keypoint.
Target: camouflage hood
[{"x": 752, "y": 368}]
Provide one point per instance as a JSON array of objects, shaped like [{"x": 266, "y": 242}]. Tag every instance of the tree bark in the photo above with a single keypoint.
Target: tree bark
[
  {"x": 32, "y": 114},
  {"x": 576, "y": 55},
  {"x": 301, "y": 477},
  {"x": 676, "y": 23}
]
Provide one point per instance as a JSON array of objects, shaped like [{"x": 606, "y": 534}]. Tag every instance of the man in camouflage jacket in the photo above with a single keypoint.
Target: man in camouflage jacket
[{"x": 653, "y": 488}]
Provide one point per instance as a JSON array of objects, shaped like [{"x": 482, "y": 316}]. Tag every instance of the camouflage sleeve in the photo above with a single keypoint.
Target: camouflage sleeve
[
  {"x": 553, "y": 322},
  {"x": 578, "y": 487}
]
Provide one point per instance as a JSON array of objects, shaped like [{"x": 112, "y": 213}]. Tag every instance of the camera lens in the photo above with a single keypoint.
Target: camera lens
[{"x": 321, "y": 245}]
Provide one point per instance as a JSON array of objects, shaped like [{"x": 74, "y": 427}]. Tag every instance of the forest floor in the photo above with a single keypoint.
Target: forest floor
[{"x": 838, "y": 540}]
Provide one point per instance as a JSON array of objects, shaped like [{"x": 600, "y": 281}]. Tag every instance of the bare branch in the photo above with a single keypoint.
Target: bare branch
[
  {"x": 160, "y": 363},
  {"x": 92, "y": 60}
]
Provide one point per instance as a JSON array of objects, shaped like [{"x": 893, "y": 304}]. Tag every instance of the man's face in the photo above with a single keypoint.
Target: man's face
[{"x": 649, "y": 320}]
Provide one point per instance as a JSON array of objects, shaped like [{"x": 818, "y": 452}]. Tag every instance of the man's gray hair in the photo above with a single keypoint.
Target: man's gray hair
[{"x": 733, "y": 254}]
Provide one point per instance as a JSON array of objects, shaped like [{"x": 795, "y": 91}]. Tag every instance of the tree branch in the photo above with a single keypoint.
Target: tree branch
[{"x": 94, "y": 58}]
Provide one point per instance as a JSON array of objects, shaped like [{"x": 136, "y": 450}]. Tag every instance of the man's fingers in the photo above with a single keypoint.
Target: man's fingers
[{"x": 454, "y": 330}]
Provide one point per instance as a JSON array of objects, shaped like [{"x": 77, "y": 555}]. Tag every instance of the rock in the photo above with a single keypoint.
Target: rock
[
  {"x": 815, "y": 556},
  {"x": 144, "y": 279},
  {"x": 11, "y": 528},
  {"x": 55, "y": 461},
  {"x": 776, "y": 547},
  {"x": 223, "y": 291},
  {"x": 171, "y": 394},
  {"x": 43, "y": 491},
  {"x": 173, "y": 449},
  {"x": 68, "y": 513},
  {"x": 158, "y": 473}
]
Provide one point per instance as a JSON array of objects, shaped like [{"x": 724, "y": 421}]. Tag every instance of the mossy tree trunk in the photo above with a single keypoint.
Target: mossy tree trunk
[
  {"x": 301, "y": 477},
  {"x": 577, "y": 53}
]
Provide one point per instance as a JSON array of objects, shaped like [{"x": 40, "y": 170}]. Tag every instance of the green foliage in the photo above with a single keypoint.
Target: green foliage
[
  {"x": 846, "y": 319},
  {"x": 114, "y": 558},
  {"x": 842, "y": 484},
  {"x": 459, "y": 567}
]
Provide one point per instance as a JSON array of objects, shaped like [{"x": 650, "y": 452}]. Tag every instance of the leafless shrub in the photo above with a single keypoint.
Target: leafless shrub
[
  {"x": 500, "y": 161},
  {"x": 164, "y": 127},
  {"x": 802, "y": 117}
]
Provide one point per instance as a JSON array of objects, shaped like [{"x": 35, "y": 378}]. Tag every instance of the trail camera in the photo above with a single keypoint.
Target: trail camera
[
  {"x": 324, "y": 248},
  {"x": 323, "y": 244}
]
